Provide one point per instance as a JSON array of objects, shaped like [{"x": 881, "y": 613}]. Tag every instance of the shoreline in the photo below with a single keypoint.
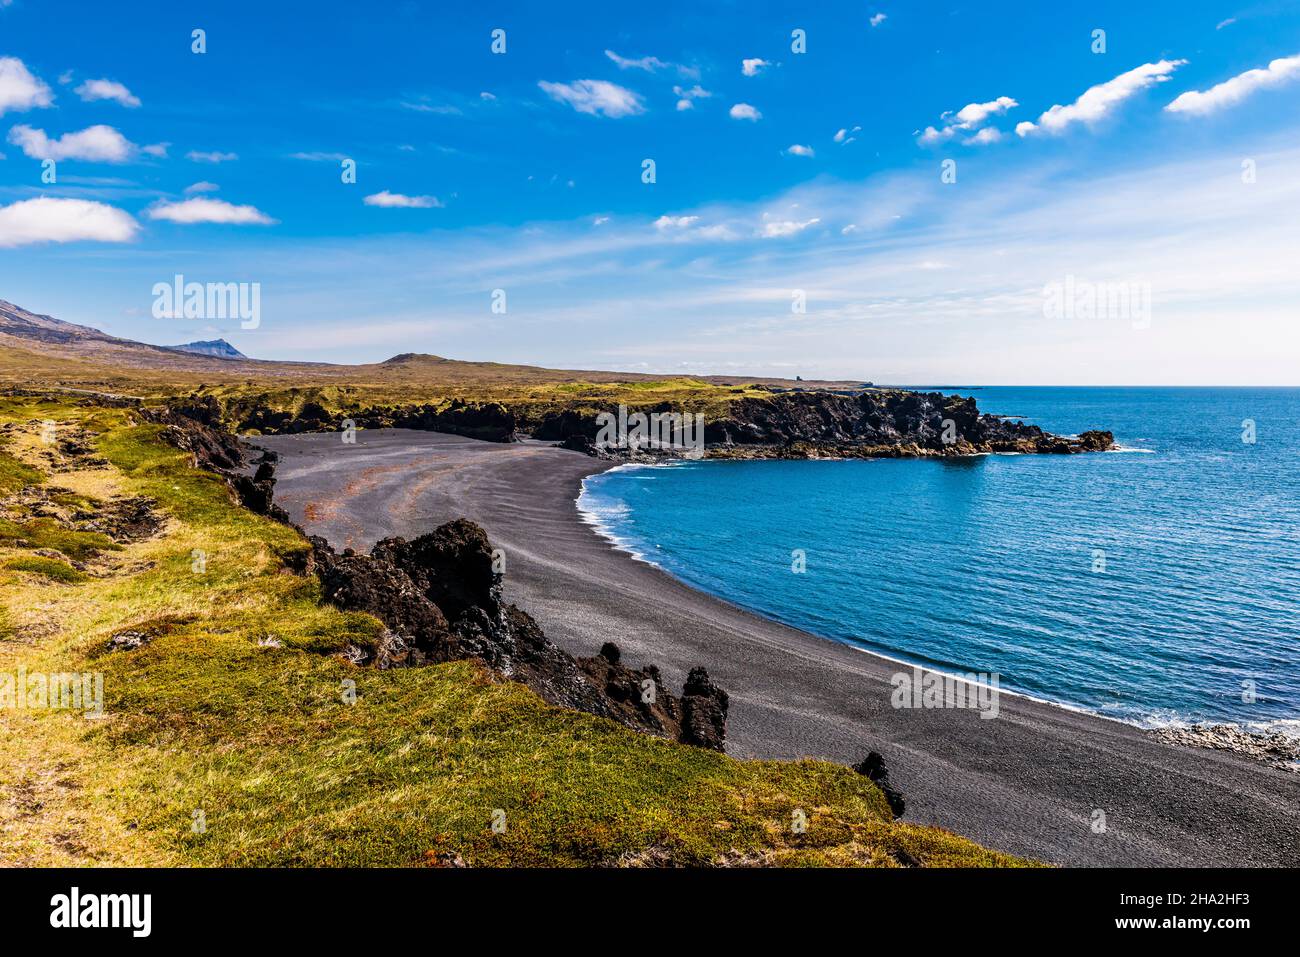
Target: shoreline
[
  {"x": 1288, "y": 727},
  {"x": 1029, "y": 782}
]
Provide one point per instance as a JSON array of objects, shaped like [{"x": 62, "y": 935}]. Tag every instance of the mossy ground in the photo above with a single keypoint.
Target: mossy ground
[{"x": 234, "y": 714}]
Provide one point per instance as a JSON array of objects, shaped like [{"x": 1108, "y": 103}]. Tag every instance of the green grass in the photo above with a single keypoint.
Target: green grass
[
  {"x": 235, "y": 710},
  {"x": 14, "y": 474},
  {"x": 47, "y": 568},
  {"x": 48, "y": 533}
]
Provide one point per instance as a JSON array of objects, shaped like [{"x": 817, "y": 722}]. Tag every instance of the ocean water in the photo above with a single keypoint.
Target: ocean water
[{"x": 1156, "y": 585}]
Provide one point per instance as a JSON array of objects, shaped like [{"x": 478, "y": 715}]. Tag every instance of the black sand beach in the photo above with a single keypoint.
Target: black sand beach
[{"x": 1028, "y": 782}]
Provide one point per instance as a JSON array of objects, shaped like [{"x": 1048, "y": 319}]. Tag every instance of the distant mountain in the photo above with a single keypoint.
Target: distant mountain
[
  {"x": 40, "y": 348},
  {"x": 18, "y": 322},
  {"x": 211, "y": 347}
]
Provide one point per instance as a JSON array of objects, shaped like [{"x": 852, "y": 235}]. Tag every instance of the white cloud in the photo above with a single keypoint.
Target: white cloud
[
  {"x": 850, "y": 228},
  {"x": 989, "y": 134},
  {"x": 399, "y": 201},
  {"x": 877, "y": 19},
  {"x": 19, "y": 89},
  {"x": 743, "y": 111},
  {"x": 215, "y": 156},
  {"x": 156, "y": 149},
  {"x": 688, "y": 95},
  {"x": 190, "y": 211},
  {"x": 796, "y": 149},
  {"x": 650, "y": 64},
  {"x": 1238, "y": 88},
  {"x": 92, "y": 90},
  {"x": 442, "y": 109},
  {"x": 647, "y": 63},
  {"x": 969, "y": 117},
  {"x": 485, "y": 95},
  {"x": 317, "y": 157},
  {"x": 95, "y": 144},
  {"x": 50, "y": 220},
  {"x": 973, "y": 114},
  {"x": 1099, "y": 100},
  {"x": 845, "y": 136},
  {"x": 597, "y": 97},
  {"x": 665, "y": 223},
  {"x": 753, "y": 67},
  {"x": 777, "y": 229},
  {"x": 203, "y": 186},
  {"x": 1225, "y": 23}
]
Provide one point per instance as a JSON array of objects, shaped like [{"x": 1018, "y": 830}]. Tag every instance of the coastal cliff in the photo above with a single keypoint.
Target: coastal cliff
[
  {"x": 439, "y": 597},
  {"x": 869, "y": 424},
  {"x": 872, "y": 423}
]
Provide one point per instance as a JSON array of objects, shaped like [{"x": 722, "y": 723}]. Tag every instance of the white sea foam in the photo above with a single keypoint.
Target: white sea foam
[{"x": 603, "y": 516}]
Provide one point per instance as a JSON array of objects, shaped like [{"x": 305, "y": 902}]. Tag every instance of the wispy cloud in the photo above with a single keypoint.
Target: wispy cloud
[
  {"x": 651, "y": 64},
  {"x": 686, "y": 96},
  {"x": 878, "y": 18},
  {"x": 318, "y": 157},
  {"x": 93, "y": 90},
  {"x": 780, "y": 228},
  {"x": 443, "y": 109},
  {"x": 665, "y": 223},
  {"x": 753, "y": 67},
  {"x": 798, "y": 149},
  {"x": 1098, "y": 101},
  {"x": 215, "y": 156},
  {"x": 1235, "y": 90},
  {"x": 596, "y": 97},
  {"x": 399, "y": 201}
]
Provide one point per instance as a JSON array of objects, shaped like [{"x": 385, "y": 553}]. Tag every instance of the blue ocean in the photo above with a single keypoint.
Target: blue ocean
[{"x": 1158, "y": 585}]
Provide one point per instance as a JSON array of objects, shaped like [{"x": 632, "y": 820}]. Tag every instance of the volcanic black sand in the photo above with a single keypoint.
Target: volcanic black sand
[{"x": 1031, "y": 781}]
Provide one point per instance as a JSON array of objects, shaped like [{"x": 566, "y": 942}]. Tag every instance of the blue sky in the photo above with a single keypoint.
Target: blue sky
[{"x": 1167, "y": 162}]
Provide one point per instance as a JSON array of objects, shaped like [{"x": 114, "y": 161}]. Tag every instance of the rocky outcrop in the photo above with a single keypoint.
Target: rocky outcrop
[
  {"x": 214, "y": 450},
  {"x": 873, "y": 767},
  {"x": 880, "y": 423},
  {"x": 704, "y": 711},
  {"x": 638, "y": 697},
  {"x": 892, "y": 423},
  {"x": 489, "y": 421},
  {"x": 211, "y": 448},
  {"x": 439, "y": 595}
]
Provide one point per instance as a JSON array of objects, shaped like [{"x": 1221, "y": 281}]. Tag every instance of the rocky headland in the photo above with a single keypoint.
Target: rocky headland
[{"x": 873, "y": 423}]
